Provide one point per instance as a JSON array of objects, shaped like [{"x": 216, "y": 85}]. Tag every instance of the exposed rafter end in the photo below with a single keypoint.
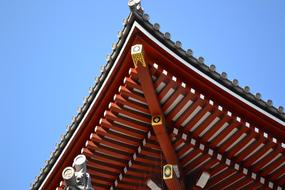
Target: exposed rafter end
[
  {"x": 203, "y": 179},
  {"x": 152, "y": 185}
]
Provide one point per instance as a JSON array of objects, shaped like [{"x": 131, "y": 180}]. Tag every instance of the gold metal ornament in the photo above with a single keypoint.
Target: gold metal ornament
[
  {"x": 167, "y": 171},
  {"x": 138, "y": 55}
]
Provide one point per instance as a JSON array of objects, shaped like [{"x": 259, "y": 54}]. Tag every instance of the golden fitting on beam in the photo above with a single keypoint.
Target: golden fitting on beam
[
  {"x": 138, "y": 55},
  {"x": 167, "y": 171},
  {"x": 156, "y": 120}
]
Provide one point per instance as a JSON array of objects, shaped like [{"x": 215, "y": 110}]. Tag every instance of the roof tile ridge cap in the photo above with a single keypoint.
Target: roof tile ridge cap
[
  {"x": 209, "y": 70},
  {"x": 81, "y": 111}
]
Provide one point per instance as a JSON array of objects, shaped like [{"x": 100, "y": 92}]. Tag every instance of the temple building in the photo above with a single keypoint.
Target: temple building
[{"x": 159, "y": 118}]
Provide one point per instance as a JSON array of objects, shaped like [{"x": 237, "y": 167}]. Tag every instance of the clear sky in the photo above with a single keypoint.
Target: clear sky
[{"x": 52, "y": 50}]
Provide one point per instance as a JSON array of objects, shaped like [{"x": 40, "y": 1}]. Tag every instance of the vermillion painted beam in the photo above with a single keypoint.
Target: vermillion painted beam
[{"x": 158, "y": 120}]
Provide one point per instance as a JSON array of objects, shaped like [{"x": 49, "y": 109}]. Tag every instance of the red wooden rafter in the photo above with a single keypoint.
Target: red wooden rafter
[{"x": 160, "y": 130}]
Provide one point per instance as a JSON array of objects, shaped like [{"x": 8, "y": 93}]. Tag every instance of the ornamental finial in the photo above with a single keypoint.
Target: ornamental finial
[{"x": 135, "y": 5}]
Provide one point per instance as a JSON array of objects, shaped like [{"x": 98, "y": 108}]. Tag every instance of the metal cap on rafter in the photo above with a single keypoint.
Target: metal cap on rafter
[
  {"x": 79, "y": 163},
  {"x": 137, "y": 53},
  {"x": 68, "y": 174},
  {"x": 156, "y": 120},
  {"x": 167, "y": 171},
  {"x": 77, "y": 177}
]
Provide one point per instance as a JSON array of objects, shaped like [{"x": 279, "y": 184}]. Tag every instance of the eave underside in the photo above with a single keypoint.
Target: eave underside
[{"x": 123, "y": 151}]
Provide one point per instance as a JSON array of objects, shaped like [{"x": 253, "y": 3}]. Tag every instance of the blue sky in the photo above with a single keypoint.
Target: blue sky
[{"x": 51, "y": 51}]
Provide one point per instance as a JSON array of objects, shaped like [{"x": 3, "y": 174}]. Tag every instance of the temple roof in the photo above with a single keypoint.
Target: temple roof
[{"x": 138, "y": 18}]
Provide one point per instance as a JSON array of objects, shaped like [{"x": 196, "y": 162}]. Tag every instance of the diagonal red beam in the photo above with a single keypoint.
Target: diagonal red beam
[{"x": 159, "y": 125}]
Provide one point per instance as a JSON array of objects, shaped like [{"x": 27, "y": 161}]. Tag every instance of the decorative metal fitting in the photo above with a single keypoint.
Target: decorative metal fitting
[
  {"x": 212, "y": 68},
  {"x": 156, "y": 120},
  {"x": 167, "y": 171},
  {"x": 178, "y": 44},
  {"x": 167, "y": 35},
  {"x": 247, "y": 89},
  {"x": 224, "y": 75},
  {"x": 76, "y": 177},
  {"x": 138, "y": 55},
  {"x": 156, "y": 26},
  {"x": 68, "y": 175},
  {"x": 145, "y": 17},
  {"x": 235, "y": 82},
  {"x": 258, "y": 96},
  {"x": 189, "y": 52},
  {"x": 201, "y": 60},
  {"x": 269, "y": 102}
]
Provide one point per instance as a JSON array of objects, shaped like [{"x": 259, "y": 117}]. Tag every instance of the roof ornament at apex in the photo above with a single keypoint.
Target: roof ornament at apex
[{"x": 135, "y": 5}]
